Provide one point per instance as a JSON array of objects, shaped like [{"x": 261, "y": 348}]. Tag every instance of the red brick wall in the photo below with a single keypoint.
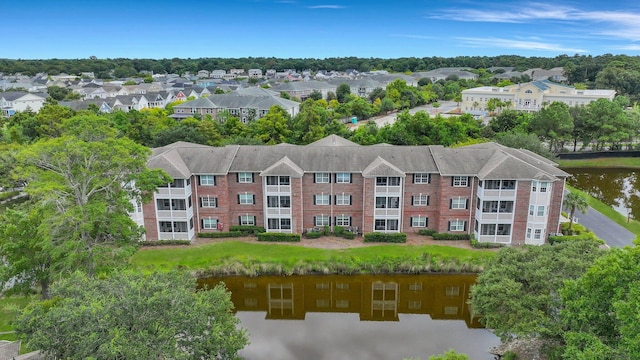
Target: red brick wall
[
  {"x": 150, "y": 220},
  {"x": 234, "y": 209},
  {"x": 297, "y": 199},
  {"x": 430, "y": 211},
  {"x": 521, "y": 212},
  {"x": 354, "y": 189},
  {"x": 369, "y": 201},
  {"x": 555, "y": 206},
  {"x": 447, "y": 192}
]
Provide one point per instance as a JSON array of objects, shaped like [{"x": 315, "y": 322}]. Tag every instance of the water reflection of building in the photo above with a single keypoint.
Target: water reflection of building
[{"x": 373, "y": 297}]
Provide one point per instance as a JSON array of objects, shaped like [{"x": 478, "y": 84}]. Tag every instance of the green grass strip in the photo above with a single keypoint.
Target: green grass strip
[{"x": 622, "y": 163}]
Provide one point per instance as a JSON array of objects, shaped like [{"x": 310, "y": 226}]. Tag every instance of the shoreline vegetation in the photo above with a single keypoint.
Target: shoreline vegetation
[
  {"x": 242, "y": 258},
  {"x": 603, "y": 162}
]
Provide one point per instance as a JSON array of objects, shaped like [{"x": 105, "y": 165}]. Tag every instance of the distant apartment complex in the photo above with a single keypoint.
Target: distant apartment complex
[
  {"x": 530, "y": 96},
  {"x": 496, "y": 193}
]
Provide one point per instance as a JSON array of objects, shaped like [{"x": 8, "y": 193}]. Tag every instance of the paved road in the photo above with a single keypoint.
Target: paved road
[{"x": 606, "y": 229}]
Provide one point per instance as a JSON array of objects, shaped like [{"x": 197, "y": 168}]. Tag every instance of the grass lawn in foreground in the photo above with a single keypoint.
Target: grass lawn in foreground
[
  {"x": 621, "y": 162},
  {"x": 206, "y": 257},
  {"x": 608, "y": 211},
  {"x": 7, "y": 315}
]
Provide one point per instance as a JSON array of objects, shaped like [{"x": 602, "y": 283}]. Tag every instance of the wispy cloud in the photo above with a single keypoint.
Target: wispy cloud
[
  {"x": 617, "y": 24},
  {"x": 411, "y": 36},
  {"x": 632, "y": 47},
  {"x": 326, "y": 7},
  {"x": 499, "y": 43}
]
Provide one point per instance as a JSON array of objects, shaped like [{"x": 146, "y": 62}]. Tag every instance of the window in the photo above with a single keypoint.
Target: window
[
  {"x": 451, "y": 310},
  {"x": 458, "y": 203},
  {"x": 245, "y": 178},
  {"x": 178, "y": 204},
  {"x": 322, "y": 199},
  {"x": 540, "y": 211},
  {"x": 388, "y": 181},
  {"x": 163, "y": 204},
  {"x": 343, "y": 220},
  {"x": 278, "y": 180},
  {"x": 387, "y": 202},
  {"x": 279, "y": 224},
  {"x": 247, "y": 220},
  {"x": 457, "y": 225},
  {"x": 322, "y": 178},
  {"x": 419, "y": 221},
  {"x": 246, "y": 199},
  {"x": 504, "y": 229},
  {"x": 420, "y": 200},
  {"x": 534, "y": 186},
  {"x": 452, "y": 291},
  {"x": 543, "y": 186},
  {"x": 537, "y": 234},
  {"x": 178, "y": 183},
  {"x": 414, "y": 305},
  {"x": 343, "y": 178},
  {"x": 421, "y": 178},
  {"x": 528, "y": 233},
  {"x": 506, "y": 206},
  {"x": 490, "y": 206},
  {"x": 207, "y": 180},
  {"x": 488, "y": 229},
  {"x": 208, "y": 201},
  {"x": 343, "y": 199},
  {"x": 492, "y": 184},
  {"x": 279, "y": 201},
  {"x": 386, "y": 224},
  {"x": 321, "y": 220},
  {"x": 209, "y": 223},
  {"x": 460, "y": 181},
  {"x": 532, "y": 208},
  {"x": 508, "y": 184}
]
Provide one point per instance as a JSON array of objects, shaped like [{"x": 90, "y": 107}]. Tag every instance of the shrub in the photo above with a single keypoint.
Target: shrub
[
  {"x": 313, "y": 234},
  {"x": 247, "y": 229},
  {"x": 586, "y": 236},
  {"x": 447, "y": 236},
  {"x": 385, "y": 237},
  {"x": 278, "y": 237},
  {"x": 348, "y": 235},
  {"x": 426, "y": 232},
  {"x": 326, "y": 230},
  {"x": 221, "y": 234},
  {"x": 485, "y": 245},
  {"x": 164, "y": 242},
  {"x": 338, "y": 230}
]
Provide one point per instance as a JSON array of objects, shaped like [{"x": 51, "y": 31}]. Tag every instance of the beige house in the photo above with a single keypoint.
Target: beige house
[{"x": 530, "y": 96}]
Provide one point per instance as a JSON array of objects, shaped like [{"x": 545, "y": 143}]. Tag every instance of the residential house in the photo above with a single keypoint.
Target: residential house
[
  {"x": 495, "y": 193},
  {"x": 254, "y": 73},
  {"x": 12, "y": 102}
]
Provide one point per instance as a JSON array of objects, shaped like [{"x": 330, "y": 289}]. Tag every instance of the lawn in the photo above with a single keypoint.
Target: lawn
[
  {"x": 229, "y": 255},
  {"x": 622, "y": 162},
  {"x": 608, "y": 211},
  {"x": 7, "y": 314}
]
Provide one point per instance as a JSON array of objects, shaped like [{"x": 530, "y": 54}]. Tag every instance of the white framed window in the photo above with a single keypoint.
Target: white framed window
[
  {"x": 537, "y": 234},
  {"x": 503, "y": 229},
  {"x": 278, "y": 180},
  {"x": 452, "y": 291},
  {"x": 321, "y": 220},
  {"x": 322, "y": 178},
  {"x": 247, "y": 220},
  {"x": 421, "y": 178},
  {"x": 343, "y": 199},
  {"x": 419, "y": 221},
  {"x": 279, "y": 223},
  {"x": 283, "y": 201},
  {"x": 534, "y": 186},
  {"x": 420, "y": 200},
  {"x": 246, "y": 199},
  {"x": 388, "y": 181},
  {"x": 208, "y": 201},
  {"x": 391, "y": 202},
  {"x": 532, "y": 209},
  {"x": 343, "y": 220},
  {"x": 488, "y": 229},
  {"x": 322, "y": 199},
  {"x": 457, "y": 225},
  {"x": 528, "y": 233},
  {"x": 386, "y": 224},
  {"x": 540, "y": 210},
  {"x": 460, "y": 181},
  {"x": 543, "y": 186},
  {"x": 207, "y": 180},
  {"x": 458, "y": 203},
  {"x": 210, "y": 224},
  {"x": 343, "y": 178},
  {"x": 245, "y": 178}
]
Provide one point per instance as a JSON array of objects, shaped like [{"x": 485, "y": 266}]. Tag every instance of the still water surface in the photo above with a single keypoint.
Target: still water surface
[
  {"x": 618, "y": 188},
  {"x": 357, "y": 316}
]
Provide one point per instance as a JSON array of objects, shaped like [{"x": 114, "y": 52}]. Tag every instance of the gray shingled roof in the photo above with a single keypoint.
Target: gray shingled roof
[
  {"x": 283, "y": 166},
  {"x": 381, "y": 167}
]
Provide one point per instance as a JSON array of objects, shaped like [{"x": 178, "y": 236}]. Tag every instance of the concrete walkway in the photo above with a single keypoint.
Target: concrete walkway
[{"x": 604, "y": 228}]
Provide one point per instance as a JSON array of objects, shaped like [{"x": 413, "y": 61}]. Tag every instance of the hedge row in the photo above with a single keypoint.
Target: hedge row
[
  {"x": 247, "y": 229},
  {"x": 447, "y": 236},
  {"x": 565, "y": 238},
  {"x": 427, "y": 232},
  {"x": 279, "y": 237},
  {"x": 485, "y": 245},
  {"x": 313, "y": 234},
  {"x": 164, "y": 242},
  {"x": 385, "y": 237},
  {"x": 221, "y": 234}
]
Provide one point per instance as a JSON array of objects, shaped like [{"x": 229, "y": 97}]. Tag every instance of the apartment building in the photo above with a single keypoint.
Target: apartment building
[
  {"x": 496, "y": 193},
  {"x": 530, "y": 96}
]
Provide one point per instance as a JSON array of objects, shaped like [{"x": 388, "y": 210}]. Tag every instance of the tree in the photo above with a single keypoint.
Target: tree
[
  {"x": 342, "y": 92},
  {"x": 87, "y": 180},
  {"x": 602, "y": 307},
  {"x": 315, "y": 95},
  {"x": 377, "y": 93},
  {"x": 517, "y": 294},
  {"x": 575, "y": 201},
  {"x": 57, "y": 93},
  {"x": 308, "y": 123},
  {"x": 273, "y": 128},
  {"x": 449, "y": 355},
  {"x": 132, "y": 316},
  {"x": 554, "y": 124}
]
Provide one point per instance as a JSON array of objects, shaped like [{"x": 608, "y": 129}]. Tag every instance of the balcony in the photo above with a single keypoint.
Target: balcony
[
  {"x": 388, "y": 190},
  {"x": 164, "y": 192},
  {"x": 278, "y": 189},
  {"x": 494, "y": 216},
  {"x": 497, "y": 194},
  {"x": 278, "y": 211},
  {"x": 387, "y": 213}
]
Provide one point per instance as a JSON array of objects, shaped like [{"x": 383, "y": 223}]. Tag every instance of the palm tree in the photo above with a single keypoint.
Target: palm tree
[{"x": 575, "y": 201}]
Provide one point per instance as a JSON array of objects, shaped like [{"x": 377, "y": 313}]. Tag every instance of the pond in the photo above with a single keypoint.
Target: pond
[
  {"x": 618, "y": 188},
  {"x": 357, "y": 316}
]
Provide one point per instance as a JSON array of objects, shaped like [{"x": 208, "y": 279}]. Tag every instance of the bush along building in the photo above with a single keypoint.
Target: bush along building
[{"x": 495, "y": 193}]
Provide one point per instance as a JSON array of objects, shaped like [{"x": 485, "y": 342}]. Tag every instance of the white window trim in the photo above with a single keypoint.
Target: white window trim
[
  {"x": 246, "y": 199},
  {"x": 343, "y": 199},
  {"x": 209, "y": 223},
  {"x": 420, "y": 200},
  {"x": 322, "y": 178},
  {"x": 460, "y": 181},
  {"x": 208, "y": 177},
  {"x": 457, "y": 225},
  {"x": 341, "y": 180},
  {"x": 242, "y": 178},
  {"x": 322, "y": 199},
  {"x": 456, "y": 203},
  {"x": 419, "y": 221}
]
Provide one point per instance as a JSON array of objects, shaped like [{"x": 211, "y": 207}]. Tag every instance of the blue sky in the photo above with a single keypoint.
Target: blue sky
[{"x": 43, "y": 29}]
